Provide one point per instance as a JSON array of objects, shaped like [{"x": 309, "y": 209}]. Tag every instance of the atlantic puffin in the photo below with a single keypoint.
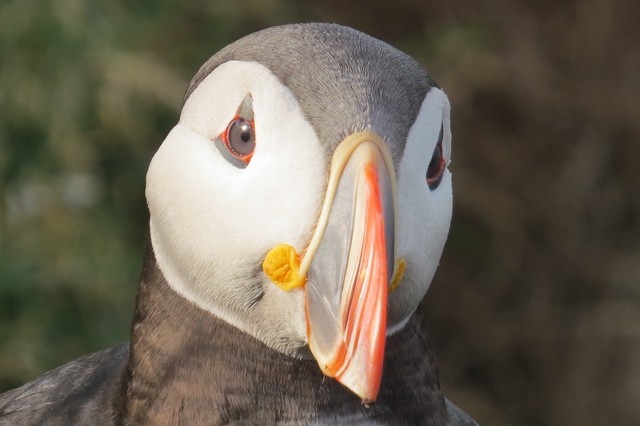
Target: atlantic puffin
[{"x": 298, "y": 212}]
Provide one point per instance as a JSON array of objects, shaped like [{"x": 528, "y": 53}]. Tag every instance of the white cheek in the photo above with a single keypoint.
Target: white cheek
[
  {"x": 427, "y": 218},
  {"x": 208, "y": 204},
  {"x": 211, "y": 222},
  {"x": 424, "y": 215},
  {"x": 188, "y": 196}
]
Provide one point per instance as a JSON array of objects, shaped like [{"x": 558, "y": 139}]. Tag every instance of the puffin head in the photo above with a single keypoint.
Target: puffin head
[{"x": 304, "y": 195}]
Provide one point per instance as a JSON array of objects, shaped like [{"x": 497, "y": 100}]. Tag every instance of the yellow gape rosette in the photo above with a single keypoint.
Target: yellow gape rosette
[{"x": 282, "y": 266}]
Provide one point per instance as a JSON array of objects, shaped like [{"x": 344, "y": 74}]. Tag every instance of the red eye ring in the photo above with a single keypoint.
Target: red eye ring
[{"x": 239, "y": 138}]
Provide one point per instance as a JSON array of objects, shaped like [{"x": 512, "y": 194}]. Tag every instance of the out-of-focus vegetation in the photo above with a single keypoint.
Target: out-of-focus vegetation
[{"x": 535, "y": 311}]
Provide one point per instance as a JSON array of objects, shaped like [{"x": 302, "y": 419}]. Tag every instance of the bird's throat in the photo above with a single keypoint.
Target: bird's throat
[{"x": 187, "y": 364}]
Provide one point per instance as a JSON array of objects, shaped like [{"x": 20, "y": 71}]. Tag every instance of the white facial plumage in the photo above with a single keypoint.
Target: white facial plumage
[
  {"x": 424, "y": 215},
  {"x": 212, "y": 223}
]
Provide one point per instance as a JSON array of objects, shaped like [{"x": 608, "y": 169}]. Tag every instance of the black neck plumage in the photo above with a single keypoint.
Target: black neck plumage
[{"x": 187, "y": 366}]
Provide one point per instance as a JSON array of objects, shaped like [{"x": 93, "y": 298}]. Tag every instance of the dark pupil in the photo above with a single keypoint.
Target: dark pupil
[
  {"x": 245, "y": 133},
  {"x": 241, "y": 137}
]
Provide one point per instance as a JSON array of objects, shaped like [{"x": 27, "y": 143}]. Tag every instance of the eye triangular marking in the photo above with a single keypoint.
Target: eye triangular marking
[
  {"x": 243, "y": 113},
  {"x": 245, "y": 110}
]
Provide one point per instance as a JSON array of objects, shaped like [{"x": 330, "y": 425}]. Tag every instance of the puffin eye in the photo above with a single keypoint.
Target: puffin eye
[
  {"x": 240, "y": 139},
  {"x": 436, "y": 165},
  {"x": 237, "y": 142}
]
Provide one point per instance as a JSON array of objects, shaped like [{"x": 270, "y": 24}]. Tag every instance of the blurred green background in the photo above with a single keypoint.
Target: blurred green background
[{"x": 535, "y": 310}]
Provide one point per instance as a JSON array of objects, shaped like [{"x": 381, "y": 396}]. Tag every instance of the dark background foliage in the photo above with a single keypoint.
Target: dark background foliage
[{"x": 535, "y": 310}]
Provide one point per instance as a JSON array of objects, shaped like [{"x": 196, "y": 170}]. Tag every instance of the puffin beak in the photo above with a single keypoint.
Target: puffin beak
[{"x": 350, "y": 262}]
